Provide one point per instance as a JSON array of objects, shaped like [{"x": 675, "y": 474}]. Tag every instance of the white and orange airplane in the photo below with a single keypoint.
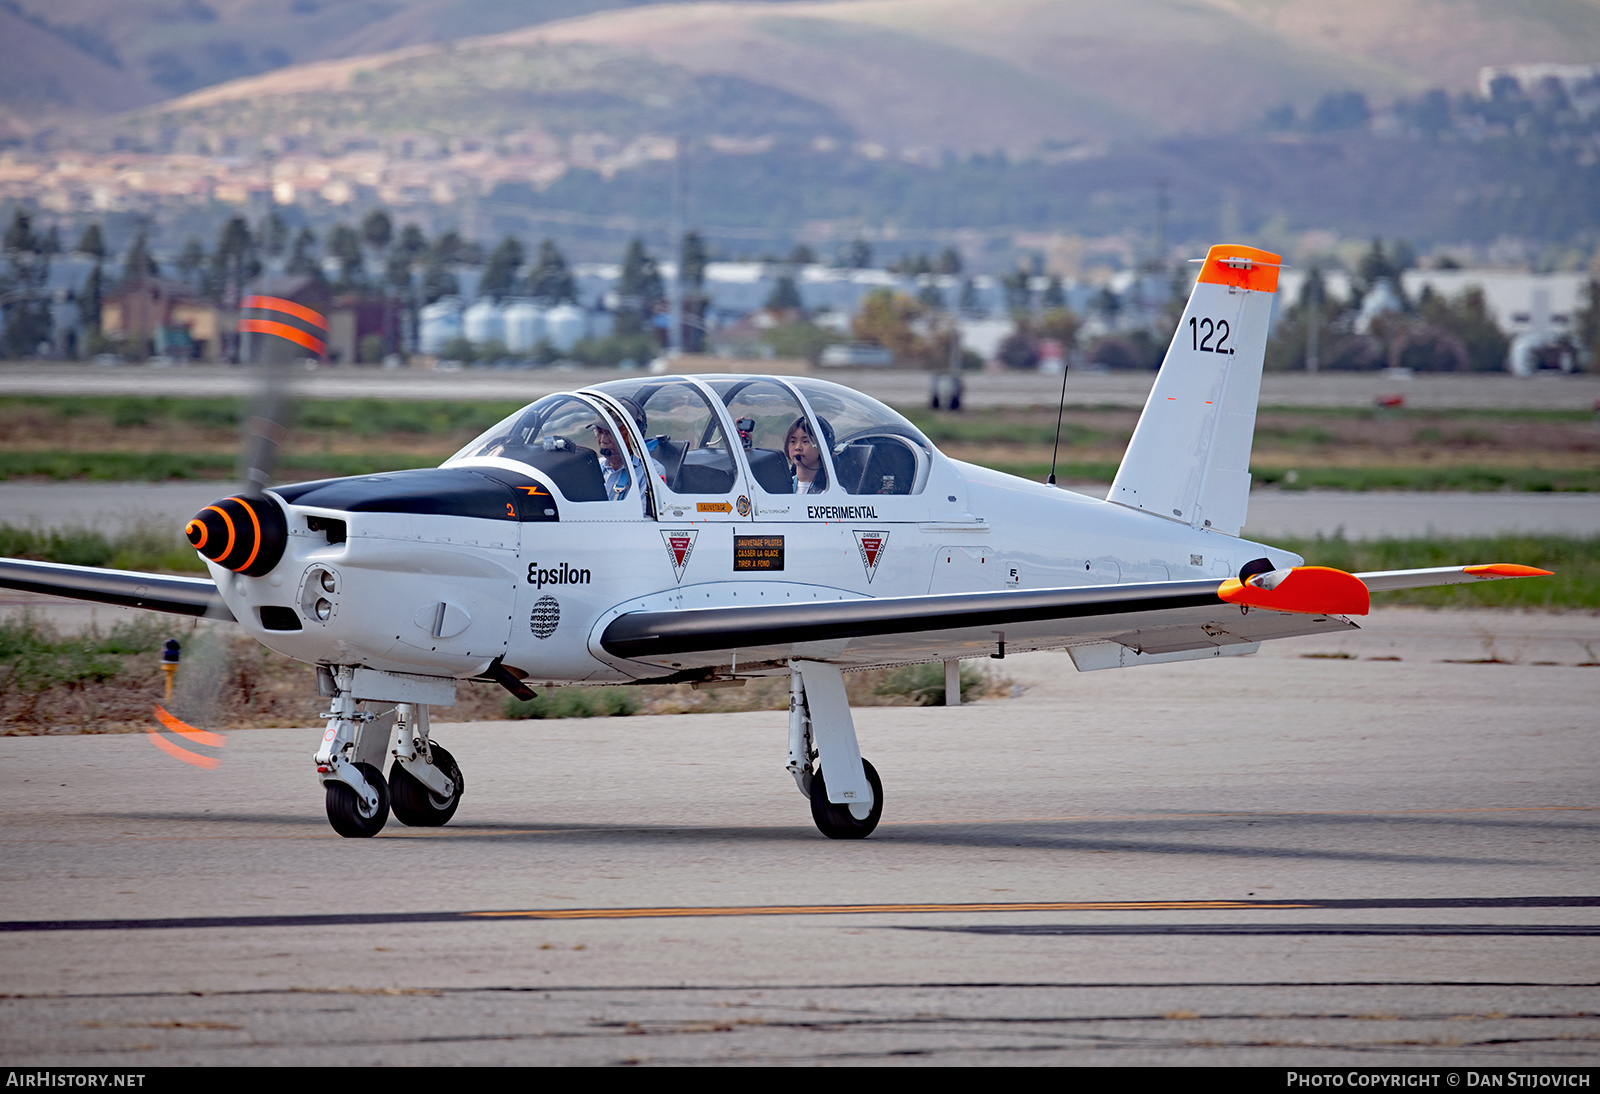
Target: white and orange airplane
[{"x": 716, "y": 528}]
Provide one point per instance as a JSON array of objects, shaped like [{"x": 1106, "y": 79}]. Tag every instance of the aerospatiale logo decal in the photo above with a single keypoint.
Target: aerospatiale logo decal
[
  {"x": 871, "y": 545},
  {"x": 680, "y": 545}
]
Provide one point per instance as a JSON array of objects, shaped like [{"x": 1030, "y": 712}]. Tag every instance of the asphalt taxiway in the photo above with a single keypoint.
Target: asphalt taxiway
[{"x": 1375, "y": 848}]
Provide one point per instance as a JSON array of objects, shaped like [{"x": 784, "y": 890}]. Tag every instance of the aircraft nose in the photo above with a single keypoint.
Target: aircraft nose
[{"x": 246, "y": 535}]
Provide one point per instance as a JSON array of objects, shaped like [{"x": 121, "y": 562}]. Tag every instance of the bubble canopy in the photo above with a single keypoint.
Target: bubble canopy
[{"x": 872, "y": 448}]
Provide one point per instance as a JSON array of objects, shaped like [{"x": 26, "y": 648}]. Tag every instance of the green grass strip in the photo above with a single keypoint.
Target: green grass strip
[
  {"x": 166, "y": 466},
  {"x": 1423, "y": 479},
  {"x": 147, "y": 548},
  {"x": 362, "y": 417}
]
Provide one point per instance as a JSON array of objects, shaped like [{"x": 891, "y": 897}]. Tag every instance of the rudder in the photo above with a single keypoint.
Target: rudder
[{"x": 1189, "y": 459}]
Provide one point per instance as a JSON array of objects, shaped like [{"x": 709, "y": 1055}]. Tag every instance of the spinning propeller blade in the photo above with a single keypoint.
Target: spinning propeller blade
[{"x": 237, "y": 532}]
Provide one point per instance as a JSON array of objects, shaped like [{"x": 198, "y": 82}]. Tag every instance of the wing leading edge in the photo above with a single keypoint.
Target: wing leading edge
[{"x": 196, "y": 596}]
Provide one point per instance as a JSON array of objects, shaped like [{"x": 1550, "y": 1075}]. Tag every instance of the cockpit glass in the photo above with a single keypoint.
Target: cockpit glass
[
  {"x": 556, "y": 435},
  {"x": 875, "y": 450},
  {"x": 769, "y": 418},
  {"x": 682, "y": 432}
]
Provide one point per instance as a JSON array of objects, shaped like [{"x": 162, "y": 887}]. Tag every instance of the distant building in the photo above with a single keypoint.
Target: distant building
[
  {"x": 857, "y": 355},
  {"x": 165, "y": 318}
]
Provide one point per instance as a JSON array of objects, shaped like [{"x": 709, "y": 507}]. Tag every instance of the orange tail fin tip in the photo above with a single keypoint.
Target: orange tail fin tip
[{"x": 1308, "y": 590}]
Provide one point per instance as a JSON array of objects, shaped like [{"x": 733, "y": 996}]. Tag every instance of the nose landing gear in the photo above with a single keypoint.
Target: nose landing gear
[
  {"x": 414, "y": 803},
  {"x": 424, "y": 785},
  {"x": 354, "y": 815}
]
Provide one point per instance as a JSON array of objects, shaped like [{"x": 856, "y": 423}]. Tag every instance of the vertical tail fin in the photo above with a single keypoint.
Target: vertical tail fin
[{"x": 1189, "y": 459}]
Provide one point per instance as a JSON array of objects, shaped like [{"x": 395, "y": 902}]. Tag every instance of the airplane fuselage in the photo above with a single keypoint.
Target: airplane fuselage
[{"x": 441, "y": 593}]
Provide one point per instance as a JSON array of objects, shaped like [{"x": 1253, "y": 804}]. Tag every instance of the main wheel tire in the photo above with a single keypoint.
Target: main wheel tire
[
  {"x": 835, "y": 820},
  {"x": 414, "y": 804},
  {"x": 347, "y": 812}
]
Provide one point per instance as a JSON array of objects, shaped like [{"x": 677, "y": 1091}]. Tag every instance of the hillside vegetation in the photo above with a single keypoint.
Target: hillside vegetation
[{"x": 935, "y": 73}]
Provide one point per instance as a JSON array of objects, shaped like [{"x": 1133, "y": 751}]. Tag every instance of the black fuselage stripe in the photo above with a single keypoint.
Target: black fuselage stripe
[{"x": 647, "y": 634}]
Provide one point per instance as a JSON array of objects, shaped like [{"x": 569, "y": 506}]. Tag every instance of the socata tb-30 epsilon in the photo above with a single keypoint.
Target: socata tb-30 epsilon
[{"x": 679, "y": 529}]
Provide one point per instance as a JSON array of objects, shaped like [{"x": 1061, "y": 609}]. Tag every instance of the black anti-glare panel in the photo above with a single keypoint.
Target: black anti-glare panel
[{"x": 486, "y": 493}]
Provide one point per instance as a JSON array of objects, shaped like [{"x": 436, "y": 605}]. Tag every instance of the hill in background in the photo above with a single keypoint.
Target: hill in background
[
  {"x": 937, "y": 74},
  {"x": 901, "y": 115}
]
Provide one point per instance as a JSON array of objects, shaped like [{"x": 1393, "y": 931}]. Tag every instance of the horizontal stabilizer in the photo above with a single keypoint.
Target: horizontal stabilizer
[{"x": 1382, "y": 581}]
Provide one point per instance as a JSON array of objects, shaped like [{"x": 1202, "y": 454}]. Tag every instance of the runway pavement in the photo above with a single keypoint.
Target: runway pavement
[{"x": 1368, "y": 849}]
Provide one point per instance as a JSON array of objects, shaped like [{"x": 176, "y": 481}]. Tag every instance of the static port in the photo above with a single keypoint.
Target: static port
[
  {"x": 323, "y": 610},
  {"x": 327, "y": 582}
]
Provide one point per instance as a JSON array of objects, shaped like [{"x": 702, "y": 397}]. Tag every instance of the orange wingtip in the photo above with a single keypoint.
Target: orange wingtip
[
  {"x": 1242, "y": 268},
  {"x": 1308, "y": 590},
  {"x": 1506, "y": 569}
]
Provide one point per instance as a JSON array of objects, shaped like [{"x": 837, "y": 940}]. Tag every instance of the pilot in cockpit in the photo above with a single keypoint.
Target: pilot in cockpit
[
  {"x": 620, "y": 476},
  {"x": 809, "y": 475}
]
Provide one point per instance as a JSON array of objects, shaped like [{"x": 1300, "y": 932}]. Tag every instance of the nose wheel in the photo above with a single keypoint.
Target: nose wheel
[
  {"x": 352, "y": 817},
  {"x": 838, "y": 820},
  {"x": 416, "y": 805}
]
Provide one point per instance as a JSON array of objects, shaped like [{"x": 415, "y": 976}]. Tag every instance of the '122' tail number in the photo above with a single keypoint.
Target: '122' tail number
[{"x": 1202, "y": 331}]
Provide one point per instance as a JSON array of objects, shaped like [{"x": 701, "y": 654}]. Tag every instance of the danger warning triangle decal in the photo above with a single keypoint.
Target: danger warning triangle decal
[
  {"x": 680, "y": 545},
  {"x": 871, "y": 545}
]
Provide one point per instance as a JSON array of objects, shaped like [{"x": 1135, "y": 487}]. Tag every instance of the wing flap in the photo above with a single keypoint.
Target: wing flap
[{"x": 196, "y": 596}]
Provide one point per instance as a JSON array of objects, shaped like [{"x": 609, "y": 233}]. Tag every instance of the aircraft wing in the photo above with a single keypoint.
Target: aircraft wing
[
  {"x": 1103, "y": 626},
  {"x": 195, "y": 596}
]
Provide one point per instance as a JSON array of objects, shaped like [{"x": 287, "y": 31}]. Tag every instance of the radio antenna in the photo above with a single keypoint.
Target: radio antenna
[{"x": 1060, "y": 410}]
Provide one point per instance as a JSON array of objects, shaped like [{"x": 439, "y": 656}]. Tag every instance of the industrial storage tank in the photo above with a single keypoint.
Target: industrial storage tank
[
  {"x": 524, "y": 326},
  {"x": 484, "y": 322},
  {"x": 564, "y": 324},
  {"x": 438, "y": 323}
]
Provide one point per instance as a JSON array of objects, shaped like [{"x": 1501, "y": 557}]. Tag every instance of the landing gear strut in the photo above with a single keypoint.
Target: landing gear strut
[
  {"x": 845, "y": 792},
  {"x": 424, "y": 785}
]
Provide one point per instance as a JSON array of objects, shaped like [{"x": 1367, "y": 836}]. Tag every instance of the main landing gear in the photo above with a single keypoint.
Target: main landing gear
[
  {"x": 424, "y": 785},
  {"x": 845, "y": 792}
]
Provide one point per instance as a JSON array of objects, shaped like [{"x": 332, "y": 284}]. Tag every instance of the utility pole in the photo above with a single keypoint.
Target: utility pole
[
  {"x": 1161, "y": 223},
  {"x": 1313, "y": 318},
  {"x": 675, "y": 337}
]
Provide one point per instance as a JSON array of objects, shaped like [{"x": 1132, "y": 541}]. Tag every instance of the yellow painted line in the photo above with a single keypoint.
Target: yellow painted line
[{"x": 880, "y": 909}]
